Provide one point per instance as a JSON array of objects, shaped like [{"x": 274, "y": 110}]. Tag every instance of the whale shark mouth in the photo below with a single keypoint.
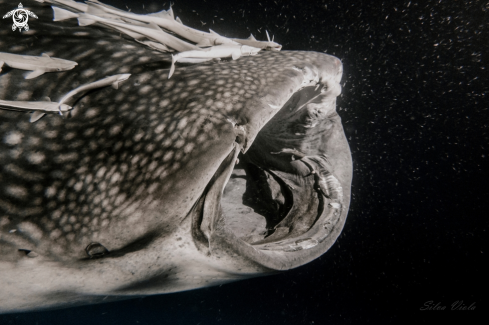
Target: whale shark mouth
[{"x": 282, "y": 195}]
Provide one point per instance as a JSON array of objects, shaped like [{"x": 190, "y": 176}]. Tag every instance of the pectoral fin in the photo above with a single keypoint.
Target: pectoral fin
[
  {"x": 36, "y": 116},
  {"x": 115, "y": 85},
  {"x": 1, "y": 65},
  {"x": 236, "y": 55},
  {"x": 172, "y": 68},
  {"x": 33, "y": 74}
]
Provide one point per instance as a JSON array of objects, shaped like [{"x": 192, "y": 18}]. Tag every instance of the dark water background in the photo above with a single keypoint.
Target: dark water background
[{"x": 415, "y": 111}]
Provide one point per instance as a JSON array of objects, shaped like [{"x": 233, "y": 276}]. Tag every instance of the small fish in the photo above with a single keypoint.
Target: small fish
[
  {"x": 322, "y": 186},
  {"x": 38, "y": 64},
  {"x": 165, "y": 19},
  {"x": 219, "y": 51},
  {"x": 108, "y": 81},
  {"x": 151, "y": 31},
  {"x": 251, "y": 41},
  {"x": 81, "y": 7},
  {"x": 39, "y": 109}
]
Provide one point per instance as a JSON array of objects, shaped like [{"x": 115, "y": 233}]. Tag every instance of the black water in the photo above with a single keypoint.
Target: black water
[{"x": 415, "y": 111}]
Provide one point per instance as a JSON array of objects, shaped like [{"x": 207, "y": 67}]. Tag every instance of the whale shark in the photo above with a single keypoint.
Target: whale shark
[{"x": 229, "y": 170}]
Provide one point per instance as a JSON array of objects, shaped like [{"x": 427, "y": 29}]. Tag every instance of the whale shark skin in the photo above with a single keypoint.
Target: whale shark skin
[{"x": 224, "y": 172}]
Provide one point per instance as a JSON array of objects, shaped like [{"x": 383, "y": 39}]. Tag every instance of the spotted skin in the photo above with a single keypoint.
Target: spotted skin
[
  {"x": 74, "y": 177},
  {"x": 128, "y": 166}
]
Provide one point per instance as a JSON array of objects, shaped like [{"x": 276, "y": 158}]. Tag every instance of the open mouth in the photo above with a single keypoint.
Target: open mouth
[{"x": 281, "y": 195}]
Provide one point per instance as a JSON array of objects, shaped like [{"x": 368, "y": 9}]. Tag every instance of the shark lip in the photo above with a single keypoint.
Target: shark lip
[{"x": 266, "y": 202}]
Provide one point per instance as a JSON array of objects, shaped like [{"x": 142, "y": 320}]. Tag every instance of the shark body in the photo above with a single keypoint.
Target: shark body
[
  {"x": 215, "y": 52},
  {"x": 137, "y": 32},
  {"x": 270, "y": 45},
  {"x": 38, "y": 64},
  {"x": 164, "y": 19},
  {"x": 113, "y": 81},
  {"x": 137, "y": 191},
  {"x": 38, "y": 108}
]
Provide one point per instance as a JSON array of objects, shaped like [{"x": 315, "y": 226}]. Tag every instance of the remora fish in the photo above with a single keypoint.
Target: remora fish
[
  {"x": 153, "y": 33},
  {"x": 39, "y": 108},
  {"x": 251, "y": 41},
  {"x": 113, "y": 81},
  {"x": 42, "y": 107},
  {"x": 38, "y": 64},
  {"x": 73, "y": 5},
  {"x": 138, "y": 192},
  {"x": 219, "y": 51},
  {"x": 166, "y": 20}
]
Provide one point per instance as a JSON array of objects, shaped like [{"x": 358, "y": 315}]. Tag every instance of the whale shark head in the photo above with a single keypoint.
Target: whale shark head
[{"x": 226, "y": 171}]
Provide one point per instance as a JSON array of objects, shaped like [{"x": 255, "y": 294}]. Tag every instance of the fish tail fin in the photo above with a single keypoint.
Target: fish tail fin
[
  {"x": 172, "y": 69},
  {"x": 62, "y": 14}
]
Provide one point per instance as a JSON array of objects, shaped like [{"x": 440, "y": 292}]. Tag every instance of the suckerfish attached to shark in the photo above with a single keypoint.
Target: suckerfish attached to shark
[
  {"x": 113, "y": 81},
  {"x": 153, "y": 33},
  {"x": 73, "y": 5},
  {"x": 38, "y": 64},
  {"x": 137, "y": 191},
  {"x": 251, "y": 41},
  {"x": 219, "y": 51},
  {"x": 38, "y": 109},
  {"x": 166, "y": 20}
]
